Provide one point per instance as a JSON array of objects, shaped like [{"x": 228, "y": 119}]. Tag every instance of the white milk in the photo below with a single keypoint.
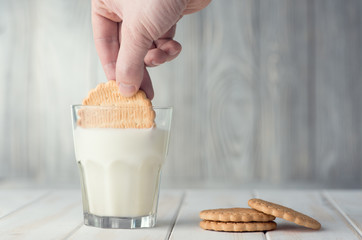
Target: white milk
[{"x": 121, "y": 169}]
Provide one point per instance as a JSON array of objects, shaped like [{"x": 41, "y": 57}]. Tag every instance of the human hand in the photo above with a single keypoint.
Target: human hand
[{"x": 132, "y": 34}]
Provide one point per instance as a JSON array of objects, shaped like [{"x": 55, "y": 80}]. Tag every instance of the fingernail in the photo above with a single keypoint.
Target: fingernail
[
  {"x": 154, "y": 63},
  {"x": 173, "y": 52},
  {"x": 127, "y": 89}
]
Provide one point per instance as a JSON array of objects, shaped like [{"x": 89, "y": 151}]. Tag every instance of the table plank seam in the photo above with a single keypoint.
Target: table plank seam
[
  {"x": 340, "y": 211},
  {"x": 26, "y": 205},
  {"x": 267, "y": 236},
  {"x": 175, "y": 217},
  {"x": 73, "y": 231}
]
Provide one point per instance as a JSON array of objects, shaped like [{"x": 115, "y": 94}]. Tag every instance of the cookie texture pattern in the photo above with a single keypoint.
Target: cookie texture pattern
[
  {"x": 112, "y": 110},
  {"x": 284, "y": 212},
  {"x": 238, "y": 226},
  {"x": 235, "y": 215}
]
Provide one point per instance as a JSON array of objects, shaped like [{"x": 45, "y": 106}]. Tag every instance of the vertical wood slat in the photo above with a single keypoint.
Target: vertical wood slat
[
  {"x": 338, "y": 85},
  {"x": 182, "y": 91},
  {"x": 283, "y": 91},
  {"x": 227, "y": 91},
  {"x": 65, "y": 67},
  {"x": 50, "y": 64},
  {"x": 15, "y": 56},
  {"x": 213, "y": 95},
  {"x": 5, "y": 41}
]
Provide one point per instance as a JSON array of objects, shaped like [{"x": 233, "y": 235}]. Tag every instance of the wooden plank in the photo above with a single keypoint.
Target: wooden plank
[
  {"x": 213, "y": 92},
  {"x": 187, "y": 224},
  {"x": 349, "y": 205},
  {"x": 15, "y": 48},
  {"x": 167, "y": 210},
  {"x": 225, "y": 92},
  {"x": 64, "y": 68},
  {"x": 338, "y": 88},
  {"x": 51, "y": 217},
  {"x": 12, "y": 200},
  {"x": 48, "y": 62},
  {"x": 282, "y": 145},
  {"x": 314, "y": 204},
  {"x": 5, "y": 40}
]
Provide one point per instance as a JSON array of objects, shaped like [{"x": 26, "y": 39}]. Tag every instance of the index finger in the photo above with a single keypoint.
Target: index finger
[{"x": 105, "y": 34}]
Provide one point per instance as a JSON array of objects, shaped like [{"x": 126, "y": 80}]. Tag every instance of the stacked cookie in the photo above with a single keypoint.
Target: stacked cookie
[
  {"x": 258, "y": 219},
  {"x": 236, "y": 220}
]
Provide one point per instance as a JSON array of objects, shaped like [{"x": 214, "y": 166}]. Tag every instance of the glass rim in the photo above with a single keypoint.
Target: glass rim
[{"x": 98, "y": 106}]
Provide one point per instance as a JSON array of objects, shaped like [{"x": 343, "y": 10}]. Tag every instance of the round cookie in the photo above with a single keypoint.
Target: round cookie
[
  {"x": 115, "y": 110},
  {"x": 238, "y": 226},
  {"x": 235, "y": 215},
  {"x": 284, "y": 212}
]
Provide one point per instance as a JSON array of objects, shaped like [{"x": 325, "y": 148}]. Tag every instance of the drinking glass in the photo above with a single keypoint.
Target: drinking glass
[{"x": 120, "y": 168}]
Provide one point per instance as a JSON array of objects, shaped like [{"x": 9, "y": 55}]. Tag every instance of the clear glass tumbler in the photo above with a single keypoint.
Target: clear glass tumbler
[{"x": 120, "y": 169}]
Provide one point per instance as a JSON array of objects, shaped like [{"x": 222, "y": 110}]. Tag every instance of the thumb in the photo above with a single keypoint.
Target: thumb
[{"x": 130, "y": 61}]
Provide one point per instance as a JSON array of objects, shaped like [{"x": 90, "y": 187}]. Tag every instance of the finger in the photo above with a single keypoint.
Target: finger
[
  {"x": 170, "y": 33},
  {"x": 168, "y": 45},
  {"x": 146, "y": 85},
  {"x": 130, "y": 61},
  {"x": 171, "y": 47},
  {"x": 105, "y": 36},
  {"x": 155, "y": 57},
  {"x": 195, "y": 6},
  {"x": 167, "y": 51}
]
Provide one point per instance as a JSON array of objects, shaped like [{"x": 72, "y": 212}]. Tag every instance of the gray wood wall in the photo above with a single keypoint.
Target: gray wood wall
[{"x": 265, "y": 92}]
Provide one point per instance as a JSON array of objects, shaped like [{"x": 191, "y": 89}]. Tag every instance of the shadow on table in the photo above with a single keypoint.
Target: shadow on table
[
  {"x": 291, "y": 227},
  {"x": 187, "y": 222}
]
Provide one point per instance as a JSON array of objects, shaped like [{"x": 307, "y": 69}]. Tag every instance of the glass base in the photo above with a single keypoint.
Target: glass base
[{"x": 120, "y": 222}]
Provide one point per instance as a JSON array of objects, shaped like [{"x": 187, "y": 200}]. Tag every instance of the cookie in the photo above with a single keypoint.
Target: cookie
[
  {"x": 284, "y": 212},
  {"x": 114, "y": 110},
  {"x": 107, "y": 94},
  {"x": 235, "y": 215},
  {"x": 238, "y": 226}
]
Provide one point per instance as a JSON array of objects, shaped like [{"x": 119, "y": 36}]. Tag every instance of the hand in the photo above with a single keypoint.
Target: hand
[{"x": 132, "y": 34}]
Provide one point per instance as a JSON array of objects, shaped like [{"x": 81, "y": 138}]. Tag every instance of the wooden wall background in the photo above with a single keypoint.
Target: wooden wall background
[{"x": 265, "y": 92}]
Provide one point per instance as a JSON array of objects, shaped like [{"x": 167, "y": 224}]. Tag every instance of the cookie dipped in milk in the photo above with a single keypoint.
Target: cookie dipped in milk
[{"x": 120, "y": 147}]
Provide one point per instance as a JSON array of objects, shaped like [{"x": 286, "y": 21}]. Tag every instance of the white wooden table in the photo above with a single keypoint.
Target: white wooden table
[{"x": 57, "y": 214}]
